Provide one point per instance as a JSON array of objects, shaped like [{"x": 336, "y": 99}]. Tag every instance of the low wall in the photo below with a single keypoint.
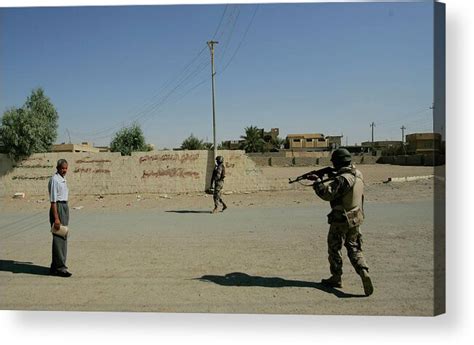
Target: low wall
[
  {"x": 281, "y": 161},
  {"x": 306, "y": 154},
  {"x": 304, "y": 159},
  {"x": 414, "y": 160},
  {"x": 142, "y": 172}
]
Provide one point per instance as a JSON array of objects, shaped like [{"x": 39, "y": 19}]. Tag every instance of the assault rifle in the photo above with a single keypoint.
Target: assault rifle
[{"x": 321, "y": 173}]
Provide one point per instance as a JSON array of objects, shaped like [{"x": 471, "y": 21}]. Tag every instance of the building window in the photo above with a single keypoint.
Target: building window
[
  {"x": 296, "y": 140},
  {"x": 309, "y": 140}
]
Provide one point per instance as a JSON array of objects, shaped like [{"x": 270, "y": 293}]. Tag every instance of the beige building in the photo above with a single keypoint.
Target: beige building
[
  {"x": 423, "y": 143},
  {"x": 84, "y": 147},
  {"x": 334, "y": 141},
  {"x": 307, "y": 141},
  {"x": 382, "y": 144}
]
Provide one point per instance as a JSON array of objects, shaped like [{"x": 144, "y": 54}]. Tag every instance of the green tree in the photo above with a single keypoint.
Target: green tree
[
  {"x": 277, "y": 144},
  {"x": 253, "y": 141},
  {"x": 193, "y": 143},
  {"x": 224, "y": 145},
  {"x": 128, "y": 140},
  {"x": 31, "y": 128}
]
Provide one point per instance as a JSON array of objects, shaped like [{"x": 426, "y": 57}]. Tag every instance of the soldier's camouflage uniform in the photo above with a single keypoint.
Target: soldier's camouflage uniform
[
  {"x": 345, "y": 194},
  {"x": 218, "y": 176}
]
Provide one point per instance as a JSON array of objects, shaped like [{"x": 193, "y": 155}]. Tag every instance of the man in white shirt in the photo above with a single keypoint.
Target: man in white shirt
[{"x": 59, "y": 215}]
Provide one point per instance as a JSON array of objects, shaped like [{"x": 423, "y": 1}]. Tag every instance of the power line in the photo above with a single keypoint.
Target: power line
[
  {"x": 418, "y": 111},
  {"x": 220, "y": 21},
  {"x": 150, "y": 102},
  {"x": 191, "y": 70},
  {"x": 224, "y": 51},
  {"x": 153, "y": 103},
  {"x": 242, "y": 40}
]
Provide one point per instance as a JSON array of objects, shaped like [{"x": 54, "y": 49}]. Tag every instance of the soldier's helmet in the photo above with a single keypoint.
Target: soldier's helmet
[
  {"x": 341, "y": 156},
  {"x": 219, "y": 159}
]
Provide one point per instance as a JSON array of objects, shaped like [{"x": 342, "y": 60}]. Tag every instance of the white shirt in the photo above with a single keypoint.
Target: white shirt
[{"x": 57, "y": 188}]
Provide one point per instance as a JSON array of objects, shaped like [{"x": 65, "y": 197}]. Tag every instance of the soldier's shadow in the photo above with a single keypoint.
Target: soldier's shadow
[
  {"x": 243, "y": 279},
  {"x": 23, "y": 267}
]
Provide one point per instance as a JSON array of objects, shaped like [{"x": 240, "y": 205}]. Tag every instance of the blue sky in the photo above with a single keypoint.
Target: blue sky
[{"x": 329, "y": 68}]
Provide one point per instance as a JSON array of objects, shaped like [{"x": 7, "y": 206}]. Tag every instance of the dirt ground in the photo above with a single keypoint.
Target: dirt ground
[{"x": 265, "y": 254}]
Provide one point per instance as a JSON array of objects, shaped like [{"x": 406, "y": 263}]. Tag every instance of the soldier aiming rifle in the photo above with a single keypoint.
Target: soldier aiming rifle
[
  {"x": 343, "y": 187},
  {"x": 329, "y": 172}
]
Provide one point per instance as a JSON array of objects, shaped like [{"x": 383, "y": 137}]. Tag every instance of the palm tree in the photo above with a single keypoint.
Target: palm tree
[
  {"x": 253, "y": 141},
  {"x": 192, "y": 143},
  {"x": 277, "y": 143}
]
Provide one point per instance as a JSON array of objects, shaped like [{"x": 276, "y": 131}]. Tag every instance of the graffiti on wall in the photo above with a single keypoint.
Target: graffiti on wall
[
  {"x": 173, "y": 172},
  {"x": 94, "y": 171},
  {"x": 187, "y": 157},
  {"x": 19, "y": 177},
  {"x": 35, "y": 166},
  {"x": 80, "y": 161}
]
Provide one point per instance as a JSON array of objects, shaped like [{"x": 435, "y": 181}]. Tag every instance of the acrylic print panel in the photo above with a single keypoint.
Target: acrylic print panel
[{"x": 141, "y": 100}]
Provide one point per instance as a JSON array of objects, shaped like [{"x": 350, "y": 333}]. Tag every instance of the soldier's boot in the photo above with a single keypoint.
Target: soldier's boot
[
  {"x": 366, "y": 282},
  {"x": 214, "y": 210},
  {"x": 224, "y": 206},
  {"x": 333, "y": 281}
]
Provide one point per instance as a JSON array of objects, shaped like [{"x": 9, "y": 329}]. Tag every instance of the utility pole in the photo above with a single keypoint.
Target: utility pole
[
  {"x": 372, "y": 125},
  {"x": 69, "y": 135},
  {"x": 433, "y": 114},
  {"x": 403, "y": 138},
  {"x": 213, "y": 73}
]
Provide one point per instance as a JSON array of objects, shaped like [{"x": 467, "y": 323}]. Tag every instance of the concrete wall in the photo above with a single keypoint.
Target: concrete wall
[
  {"x": 416, "y": 160},
  {"x": 143, "y": 172},
  {"x": 306, "y": 154},
  {"x": 262, "y": 161},
  {"x": 281, "y": 161},
  {"x": 305, "y": 159}
]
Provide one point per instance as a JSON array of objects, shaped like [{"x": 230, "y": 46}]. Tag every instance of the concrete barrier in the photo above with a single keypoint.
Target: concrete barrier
[
  {"x": 305, "y": 161},
  {"x": 261, "y": 160},
  {"x": 365, "y": 159},
  {"x": 324, "y": 161},
  {"x": 409, "y": 178},
  {"x": 415, "y": 160},
  {"x": 282, "y": 161}
]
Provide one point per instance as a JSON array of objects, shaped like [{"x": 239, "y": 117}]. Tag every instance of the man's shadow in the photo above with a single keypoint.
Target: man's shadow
[
  {"x": 188, "y": 211},
  {"x": 243, "y": 279},
  {"x": 23, "y": 267}
]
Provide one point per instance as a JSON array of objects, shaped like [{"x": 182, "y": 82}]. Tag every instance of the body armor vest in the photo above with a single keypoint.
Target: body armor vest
[{"x": 350, "y": 206}]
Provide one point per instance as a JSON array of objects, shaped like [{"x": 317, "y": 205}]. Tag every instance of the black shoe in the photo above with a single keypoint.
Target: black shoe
[
  {"x": 64, "y": 274},
  {"x": 60, "y": 273},
  {"x": 224, "y": 207},
  {"x": 333, "y": 281}
]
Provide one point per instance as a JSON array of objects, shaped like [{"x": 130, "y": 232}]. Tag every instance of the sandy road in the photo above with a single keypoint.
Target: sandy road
[{"x": 264, "y": 258}]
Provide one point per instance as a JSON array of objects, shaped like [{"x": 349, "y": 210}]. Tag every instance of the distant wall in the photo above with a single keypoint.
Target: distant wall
[
  {"x": 282, "y": 159},
  {"x": 143, "y": 172},
  {"x": 417, "y": 160}
]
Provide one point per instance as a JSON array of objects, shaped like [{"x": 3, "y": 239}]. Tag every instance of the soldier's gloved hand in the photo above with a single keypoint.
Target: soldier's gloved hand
[
  {"x": 313, "y": 177},
  {"x": 318, "y": 185}
]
